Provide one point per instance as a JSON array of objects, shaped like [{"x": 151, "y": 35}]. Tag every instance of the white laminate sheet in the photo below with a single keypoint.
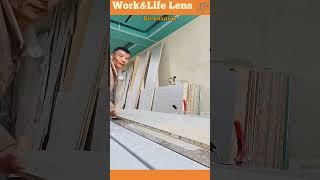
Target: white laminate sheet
[
  {"x": 159, "y": 157},
  {"x": 195, "y": 128},
  {"x": 120, "y": 159}
]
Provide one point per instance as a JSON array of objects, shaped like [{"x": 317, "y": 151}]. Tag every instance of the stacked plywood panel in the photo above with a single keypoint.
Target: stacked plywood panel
[
  {"x": 140, "y": 87},
  {"x": 77, "y": 98},
  {"x": 137, "y": 80},
  {"x": 53, "y": 69},
  {"x": 264, "y": 122},
  {"x": 193, "y": 99}
]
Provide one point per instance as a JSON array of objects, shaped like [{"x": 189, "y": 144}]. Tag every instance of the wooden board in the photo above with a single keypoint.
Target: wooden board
[
  {"x": 193, "y": 99},
  {"x": 122, "y": 88},
  {"x": 151, "y": 81},
  {"x": 167, "y": 96},
  {"x": 73, "y": 107},
  {"x": 146, "y": 99},
  {"x": 78, "y": 41},
  {"x": 137, "y": 79},
  {"x": 194, "y": 128},
  {"x": 60, "y": 35},
  {"x": 265, "y": 119}
]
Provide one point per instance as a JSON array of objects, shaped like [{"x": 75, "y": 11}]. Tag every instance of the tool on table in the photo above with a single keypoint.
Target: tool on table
[{"x": 175, "y": 107}]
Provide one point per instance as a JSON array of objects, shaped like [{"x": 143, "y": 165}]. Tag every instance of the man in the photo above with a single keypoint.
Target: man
[
  {"x": 25, "y": 12},
  {"x": 119, "y": 58}
]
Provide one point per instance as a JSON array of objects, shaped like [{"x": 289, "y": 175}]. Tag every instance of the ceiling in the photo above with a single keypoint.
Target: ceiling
[{"x": 137, "y": 34}]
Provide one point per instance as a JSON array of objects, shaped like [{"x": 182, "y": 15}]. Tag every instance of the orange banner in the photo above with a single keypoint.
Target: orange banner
[
  {"x": 160, "y": 174},
  {"x": 164, "y": 7}
]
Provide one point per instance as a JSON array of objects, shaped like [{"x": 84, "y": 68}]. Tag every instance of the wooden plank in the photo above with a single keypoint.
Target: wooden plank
[
  {"x": 146, "y": 99},
  {"x": 78, "y": 42},
  {"x": 151, "y": 81},
  {"x": 74, "y": 104},
  {"x": 167, "y": 96},
  {"x": 194, "y": 128},
  {"x": 134, "y": 90},
  {"x": 92, "y": 100},
  {"x": 241, "y": 103},
  {"x": 100, "y": 130},
  {"x": 52, "y": 81},
  {"x": 122, "y": 92}
]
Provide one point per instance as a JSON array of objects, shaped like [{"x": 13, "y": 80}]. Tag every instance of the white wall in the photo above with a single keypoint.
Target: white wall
[
  {"x": 186, "y": 54},
  {"x": 283, "y": 35}
]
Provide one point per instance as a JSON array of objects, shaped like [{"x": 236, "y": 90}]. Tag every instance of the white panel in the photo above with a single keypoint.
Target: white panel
[
  {"x": 151, "y": 81},
  {"x": 194, "y": 128},
  {"x": 146, "y": 99},
  {"x": 167, "y": 96},
  {"x": 120, "y": 159},
  {"x": 157, "y": 156}
]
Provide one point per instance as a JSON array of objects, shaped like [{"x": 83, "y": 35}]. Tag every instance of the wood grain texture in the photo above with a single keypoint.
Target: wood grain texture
[
  {"x": 122, "y": 87},
  {"x": 55, "y": 62},
  {"x": 151, "y": 80},
  {"x": 74, "y": 107},
  {"x": 137, "y": 80},
  {"x": 265, "y": 119}
]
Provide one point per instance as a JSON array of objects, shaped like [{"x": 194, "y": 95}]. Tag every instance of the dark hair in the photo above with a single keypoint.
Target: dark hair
[{"x": 121, "y": 48}]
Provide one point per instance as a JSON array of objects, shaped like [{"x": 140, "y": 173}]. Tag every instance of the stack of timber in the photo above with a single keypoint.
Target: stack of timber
[
  {"x": 140, "y": 87},
  {"x": 72, "y": 71},
  {"x": 265, "y": 119},
  {"x": 62, "y": 28},
  {"x": 77, "y": 99}
]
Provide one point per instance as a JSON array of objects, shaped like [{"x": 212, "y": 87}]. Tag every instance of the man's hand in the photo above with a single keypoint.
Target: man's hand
[
  {"x": 113, "y": 112},
  {"x": 9, "y": 164}
]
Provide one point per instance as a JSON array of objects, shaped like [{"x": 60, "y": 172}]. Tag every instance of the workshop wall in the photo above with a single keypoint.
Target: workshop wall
[{"x": 186, "y": 55}]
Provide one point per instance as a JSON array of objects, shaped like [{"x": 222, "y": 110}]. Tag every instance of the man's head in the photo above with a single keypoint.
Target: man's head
[{"x": 120, "y": 57}]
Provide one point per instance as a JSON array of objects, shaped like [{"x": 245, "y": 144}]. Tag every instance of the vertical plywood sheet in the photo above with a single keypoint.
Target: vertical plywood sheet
[
  {"x": 151, "y": 81},
  {"x": 146, "y": 99},
  {"x": 224, "y": 92},
  {"x": 167, "y": 96},
  {"x": 137, "y": 79},
  {"x": 265, "y": 130},
  {"x": 72, "y": 106}
]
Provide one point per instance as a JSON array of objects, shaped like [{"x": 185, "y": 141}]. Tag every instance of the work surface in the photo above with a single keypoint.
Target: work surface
[
  {"x": 193, "y": 128},
  {"x": 65, "y": 165},
  {"x": 132, "y": 151}
]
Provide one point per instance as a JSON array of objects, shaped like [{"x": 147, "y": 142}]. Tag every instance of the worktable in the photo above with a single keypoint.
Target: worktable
[{"x": 130, "y": 150}]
